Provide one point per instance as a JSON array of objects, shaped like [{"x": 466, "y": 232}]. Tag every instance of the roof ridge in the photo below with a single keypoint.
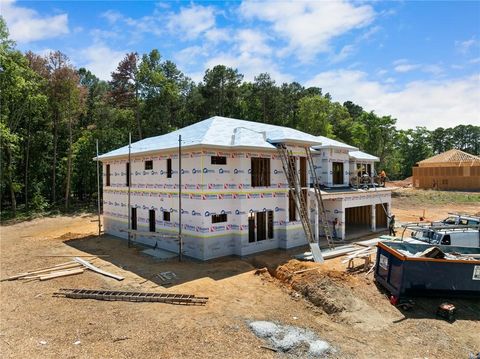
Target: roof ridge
[{"x": 452, "y": 155}]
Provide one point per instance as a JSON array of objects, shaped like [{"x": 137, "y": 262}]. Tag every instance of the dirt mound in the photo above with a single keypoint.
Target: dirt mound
[
  {"x": 407, "y": 182},
  {"x": 326, "y": 289},
  {"x": 339, "y": 294}
]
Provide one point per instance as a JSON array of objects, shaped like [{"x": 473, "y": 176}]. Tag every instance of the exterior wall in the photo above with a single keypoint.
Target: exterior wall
[
  {"x": 206, "y": 190},
  {"x": 336, "y": 204},
  {"x": 447, "y": 177},
  {"x": 363, "y": 163},
  {"x": 323, "y": 161}
]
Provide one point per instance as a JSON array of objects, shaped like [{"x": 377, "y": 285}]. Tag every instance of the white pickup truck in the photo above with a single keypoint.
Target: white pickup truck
[{"x": 458, "y": 237}]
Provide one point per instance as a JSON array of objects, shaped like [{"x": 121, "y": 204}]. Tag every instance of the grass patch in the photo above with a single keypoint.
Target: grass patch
[{"x": 416, "y": 196}]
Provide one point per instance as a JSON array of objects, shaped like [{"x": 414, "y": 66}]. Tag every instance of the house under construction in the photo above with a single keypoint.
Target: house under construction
[
  {"x": 245, "y": 187},
  {"x": 450, "y": 170}
]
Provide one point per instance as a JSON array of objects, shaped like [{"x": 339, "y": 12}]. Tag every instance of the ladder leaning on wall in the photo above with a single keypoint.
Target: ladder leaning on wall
[
  {"x": 322, "y": 215},
  {"x": 300, "y": 199}
]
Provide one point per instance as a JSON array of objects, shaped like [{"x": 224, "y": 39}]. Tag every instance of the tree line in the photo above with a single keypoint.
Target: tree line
[{"x": 52, "y": 113}]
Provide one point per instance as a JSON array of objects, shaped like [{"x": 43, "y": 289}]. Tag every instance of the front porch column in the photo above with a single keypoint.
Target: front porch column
[{"x": 373, "y": 224}]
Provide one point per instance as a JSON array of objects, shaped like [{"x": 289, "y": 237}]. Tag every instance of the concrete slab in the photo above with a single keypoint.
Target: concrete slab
[{"x": 160, "y": 253}]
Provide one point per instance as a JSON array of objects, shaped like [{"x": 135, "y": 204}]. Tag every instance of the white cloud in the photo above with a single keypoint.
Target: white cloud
[
  {"x": 464, "y": 47},
  {"x": 192, "y": 21},
  {"x": 406, "y": 67},
  {"x": 100, "y": 60},
  {"x": 403, "y": 66},
  {"x": 27, "y": 25},
  {"x": 189, "y": 55},
  {"x": 250, "y": 66},
  {"x": 112, "y": 16},
  {"x": 216, "y": 35},
  {"x": 344, "y": 53},
  {"x": 252, "y": 42},
  {"x": 432, "y": 104},
  {"x": 308, "y": 27}
]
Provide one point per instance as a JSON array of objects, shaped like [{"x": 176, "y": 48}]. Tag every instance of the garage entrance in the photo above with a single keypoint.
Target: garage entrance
[
  {"x": 381, "y": 219},
  {"x": 358, "y": 221}
]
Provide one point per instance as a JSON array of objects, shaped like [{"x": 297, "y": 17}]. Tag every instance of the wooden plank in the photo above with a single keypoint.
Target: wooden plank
[
  {"x": 370, "y": 242},
  {"x": 74, "y": 255},
  {"x": 50, "y": 269},
  {"x": 328, "y": 254},
  {"x": 98, "y": 270},
  {"x": 306, "y": 270},
  {"x": 61, "y": 274}
]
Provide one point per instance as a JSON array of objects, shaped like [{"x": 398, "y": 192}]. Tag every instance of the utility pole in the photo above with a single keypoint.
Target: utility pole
[
  {"x": 129, "y": 185},
  {"x": 180, "y": 244},
  {"x": 98, "y": 194}
]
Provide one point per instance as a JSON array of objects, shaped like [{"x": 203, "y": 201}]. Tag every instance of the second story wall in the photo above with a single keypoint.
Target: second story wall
[{"x": 332, "y": 167}]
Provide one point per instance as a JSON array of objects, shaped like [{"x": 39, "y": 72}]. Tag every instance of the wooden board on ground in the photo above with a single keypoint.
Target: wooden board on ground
[
  {"x": 98, "y": 270},
  {"x": 61, "y": 274},
  {"x": 337, "y": 252}
]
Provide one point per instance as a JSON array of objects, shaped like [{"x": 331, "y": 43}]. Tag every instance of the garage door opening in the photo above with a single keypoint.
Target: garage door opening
[
  {"x": 358, "y": 221},
  {"x": 381, "y": 218}
]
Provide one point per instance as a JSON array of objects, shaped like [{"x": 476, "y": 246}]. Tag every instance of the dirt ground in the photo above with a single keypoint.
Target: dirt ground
[{"x": 345, "y": 309}]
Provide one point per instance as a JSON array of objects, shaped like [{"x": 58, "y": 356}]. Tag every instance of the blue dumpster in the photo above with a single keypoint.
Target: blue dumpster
[{"x": 405, "y": 276}]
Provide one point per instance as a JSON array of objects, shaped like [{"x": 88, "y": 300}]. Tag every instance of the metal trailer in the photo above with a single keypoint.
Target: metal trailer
[{"x": 408, "y": 276}]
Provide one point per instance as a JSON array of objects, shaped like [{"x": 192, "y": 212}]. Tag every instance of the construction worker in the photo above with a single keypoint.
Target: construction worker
[
  {"x": 382, "y": 177},
  {"x": 391, "y": 226},
  {"x": 335, "y": 224}
]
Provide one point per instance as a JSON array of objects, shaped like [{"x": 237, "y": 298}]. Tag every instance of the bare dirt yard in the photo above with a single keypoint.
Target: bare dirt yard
[{"x": 347, "y": 310}]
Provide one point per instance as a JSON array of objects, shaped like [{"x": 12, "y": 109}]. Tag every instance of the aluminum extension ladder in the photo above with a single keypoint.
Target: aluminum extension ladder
[
  {"x": 322, "y": 215},
  {"x": 300, "y": 199}
]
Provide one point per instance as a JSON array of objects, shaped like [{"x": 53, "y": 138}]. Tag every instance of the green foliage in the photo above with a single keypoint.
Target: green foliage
[
  {"x": 51, "y": 115},
  {"x": 314, "y": 115}
]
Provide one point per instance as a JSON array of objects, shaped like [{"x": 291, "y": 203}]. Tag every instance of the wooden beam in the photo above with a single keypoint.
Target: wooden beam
[
  {"x": 45, "y": 270},
  {"x": 61, "y": 274}
]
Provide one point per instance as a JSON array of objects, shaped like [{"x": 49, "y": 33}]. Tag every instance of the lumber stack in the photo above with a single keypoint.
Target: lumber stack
[
  {"x": 76, "y": 266},
  {"x": 59, "y": 270}
]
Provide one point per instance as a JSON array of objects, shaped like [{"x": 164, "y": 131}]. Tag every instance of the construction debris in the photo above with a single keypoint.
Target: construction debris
[
  {"x": 45, "y": 272},
  {"x": 167, "y": 276},
  {"x": 61, "y": 274},
  {"x": 74, "y": 255},
  {"x": 432, "y": 252},
  {"x": 294, "y": 340},
  {"x": 76, "y": 266},
  {"x": 95, "y": 269},
  {"x": 327, "y": 254},
  {"x": 112, "y": 295}
]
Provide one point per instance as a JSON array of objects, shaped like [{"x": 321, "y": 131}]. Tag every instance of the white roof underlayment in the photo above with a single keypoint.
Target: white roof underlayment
[
  {"x": 328, "y": 142},
  {"x": 359, "y": 155},
  {"x": 220, "y": 132}
]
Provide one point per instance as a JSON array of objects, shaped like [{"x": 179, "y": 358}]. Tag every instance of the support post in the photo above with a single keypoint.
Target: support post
[
  {"x": 129, "y": 186},
  {"x": 317, "y": 222},
  {"x": 373, "y": 218},
  {"x": 98, "y": 194},
  {"x": 180, "y": 244}
]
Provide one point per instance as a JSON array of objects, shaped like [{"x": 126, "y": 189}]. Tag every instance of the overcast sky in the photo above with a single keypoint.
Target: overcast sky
[{"x": 416, "y": 61}]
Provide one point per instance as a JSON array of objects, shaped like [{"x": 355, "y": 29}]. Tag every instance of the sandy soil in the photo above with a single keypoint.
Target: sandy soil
[{"x": 347, "y": 310}]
